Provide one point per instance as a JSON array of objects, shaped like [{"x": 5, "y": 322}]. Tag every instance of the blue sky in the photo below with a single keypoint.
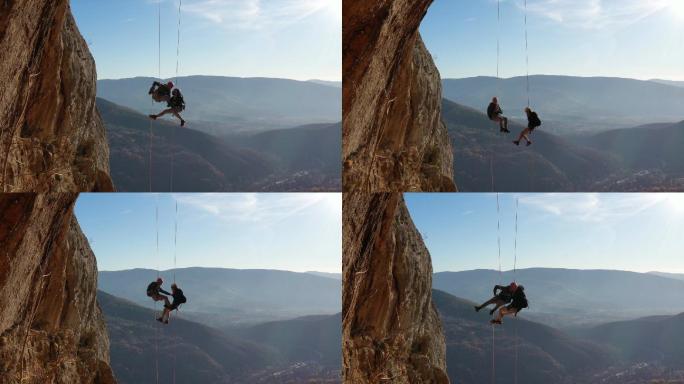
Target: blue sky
[
  {"x": 294, "y": 39},
  {"x": 633, "y": 232},
  {"x": 295, "y": 232},
  {"x": 640, "y": 39}
]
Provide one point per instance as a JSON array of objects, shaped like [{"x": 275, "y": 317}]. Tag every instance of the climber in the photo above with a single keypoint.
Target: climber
[
  {"x": 178, "y": 299},
  {"x": 176, "y": 105},
  {"x": 495, "y": 114},
  {"x": 532, "y": 123},
  {"x": 154, "y": 290},
  {"x": 518, "y": 304},
  {"x": 161, "y": 92},
  {"x": 503, "y": 297}
]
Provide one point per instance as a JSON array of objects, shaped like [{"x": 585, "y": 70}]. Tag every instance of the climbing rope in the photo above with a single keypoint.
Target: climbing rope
[
  {"x": 527, "y": 59},
  {"x": 515, "y": 262},
  {"x": 515, "y": 244},
  {"x": 498, "y": 231},
  {"x": 491, "y": 169},
  {"x": 156, "y": 258},
  {"x": 498, "y": 40},
  {"x": 175, "y": 246},
  {"x": 498, "y": 242},
  {"x": 158, "y": 77},
  {"x": 173, "y": 133}
]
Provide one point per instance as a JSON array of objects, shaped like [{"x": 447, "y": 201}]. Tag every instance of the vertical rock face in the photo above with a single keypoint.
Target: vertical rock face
[
  {"x": 391, "y": 331},
  {"x": 51, "y": 328},
  {"x": 52, "y": 137},
  {"x": 393, "y": 135}
]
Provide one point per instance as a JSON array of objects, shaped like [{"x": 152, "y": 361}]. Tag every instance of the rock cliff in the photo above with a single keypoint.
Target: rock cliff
[
  {"x": 51, "y": 328},
  {"x": 52, "y": 137},
  {"x": 393, "y": 135},
  {"x": 391, "y": 332}
]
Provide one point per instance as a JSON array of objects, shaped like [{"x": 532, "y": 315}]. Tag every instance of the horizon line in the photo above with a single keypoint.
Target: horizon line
[
  {"x": 557, "y": 268},
  {"x": 226, "y": 268},
  {"x": 224, "y": 76},
  {"x": 653, "y": 79}
]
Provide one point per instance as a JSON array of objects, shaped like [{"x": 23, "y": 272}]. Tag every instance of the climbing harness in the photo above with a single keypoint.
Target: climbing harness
[{"x": 527, "y": 59}]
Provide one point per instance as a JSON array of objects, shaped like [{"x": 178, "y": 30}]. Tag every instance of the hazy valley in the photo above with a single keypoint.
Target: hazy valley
[
  {"x": 617, "y": 143},
  {"x": 242, "y": 134}
]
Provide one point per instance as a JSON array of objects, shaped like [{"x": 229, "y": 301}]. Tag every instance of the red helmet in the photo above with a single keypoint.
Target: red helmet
[
  {"x": 513, "y": 287},
  {"x": 170, "y": 84},
  {"x": 159, "y": 280}
]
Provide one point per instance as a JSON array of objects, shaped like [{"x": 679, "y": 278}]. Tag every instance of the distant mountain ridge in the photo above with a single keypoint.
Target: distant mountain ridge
[
  {"x": 201, "y": 162},
  {"x": 223, "y": 298},
  {"x": 570, "y": 104},
  {"x": 483, "y": 156},
  {"x": 206, "y": 355},
  {"x": 567, "y": 297},
  {"x": 545, "y": 355},
  {"x": 296, "y": 159},
  {"x": 236, "y": 104},
  {"x": 645, "y": 158}
]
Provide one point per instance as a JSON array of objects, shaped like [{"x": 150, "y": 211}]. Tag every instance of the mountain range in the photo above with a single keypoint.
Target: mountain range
[
  {"x": 588, "y": 347},
  {"x": 144, "y": 350},
  {"x": 637, "y": 351},
  {"x": 570, "y": 104},
  {"x": 295, "y": 159},
  {"x": 232, "y": 104},
  {"x": 225, "y": 298},
  {"x": 645, "y": 158},
  {"x": 569, "y": 298}
]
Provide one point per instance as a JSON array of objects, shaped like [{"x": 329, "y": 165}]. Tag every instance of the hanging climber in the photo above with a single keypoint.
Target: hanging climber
[
  {"x": 503, "y": 297},
  {"x": 518, "y": 304},
  {"x": 178, "y": 299},
  {"x": 532, "y": 123},
  {"x": 176, "y": 105},
  {"x": 154, "y": 290},
  {"x": 495, "y": 114},
  {"x": 161, "y": 93}
]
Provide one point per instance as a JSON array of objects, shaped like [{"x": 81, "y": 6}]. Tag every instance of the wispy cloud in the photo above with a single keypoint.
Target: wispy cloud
[
  {"x": 595, "y": 14},
  {"x": 257, "y": 14},
  {"x": 592, "y": 207},
  {"x": 263, "y": 208}
]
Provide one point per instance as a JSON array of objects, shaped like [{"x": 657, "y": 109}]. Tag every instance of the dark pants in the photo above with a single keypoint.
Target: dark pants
[{"x": 496, "y": 300}]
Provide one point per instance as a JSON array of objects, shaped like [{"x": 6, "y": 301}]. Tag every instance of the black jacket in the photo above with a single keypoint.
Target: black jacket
[
  {"x": 493, "y": 110},
  {"x": 504, "y": 292},
  {"x": 155, "y": 288},
  {"x": 162, "y": 89}
]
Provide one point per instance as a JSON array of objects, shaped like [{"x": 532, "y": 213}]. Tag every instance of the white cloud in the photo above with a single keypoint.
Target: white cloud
[
  {"x": 592, "y": 207},
  {"x": 265, "y": 208},
  {"x": 595, "y": 14},
  {"x": 259, "y": 14}
]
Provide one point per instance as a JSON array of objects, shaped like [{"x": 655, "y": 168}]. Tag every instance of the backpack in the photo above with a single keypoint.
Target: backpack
[
  {"x": 177, "y": 102},
  {"x": 534, "y": 120},
  {"x": 520, "y": 300},
  {"x": 182, "y": 299}
]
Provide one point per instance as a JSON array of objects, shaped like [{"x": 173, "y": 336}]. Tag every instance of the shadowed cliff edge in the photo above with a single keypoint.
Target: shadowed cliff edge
[
  {"x": 391, "y": 331},
  {"x": 51, "y": 327},
  {"x": 393, "y": 135},
  {"x": 52, "y": 137}
]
